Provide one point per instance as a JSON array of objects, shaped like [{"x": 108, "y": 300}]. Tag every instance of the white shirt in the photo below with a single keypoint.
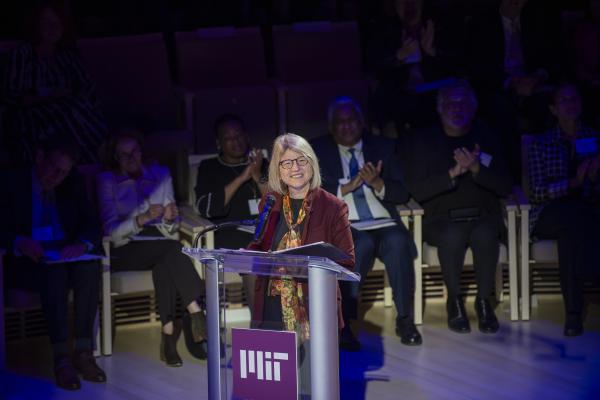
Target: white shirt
[{"x": 375, "y": 206}]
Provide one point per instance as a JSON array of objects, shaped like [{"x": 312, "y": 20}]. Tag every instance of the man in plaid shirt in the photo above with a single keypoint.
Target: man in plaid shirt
[{"x": 563, "y": 185}]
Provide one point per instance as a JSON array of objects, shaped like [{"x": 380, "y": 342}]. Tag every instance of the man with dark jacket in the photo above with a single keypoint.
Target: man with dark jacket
[
  {"x": 362, "y": 170},
  {"x": 48, "y": 226},
  {"x": 456, "y": 170}
]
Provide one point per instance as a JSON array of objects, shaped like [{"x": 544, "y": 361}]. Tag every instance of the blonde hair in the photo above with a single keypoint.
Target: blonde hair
[{"x": 298, "y": 144}]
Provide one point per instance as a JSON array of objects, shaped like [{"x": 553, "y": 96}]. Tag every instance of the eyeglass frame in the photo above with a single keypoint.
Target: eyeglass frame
[{"x": 296, "y": 160}]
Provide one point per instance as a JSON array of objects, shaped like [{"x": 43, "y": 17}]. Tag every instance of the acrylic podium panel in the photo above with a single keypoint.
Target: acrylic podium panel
[{"x": 322, "y": 351}]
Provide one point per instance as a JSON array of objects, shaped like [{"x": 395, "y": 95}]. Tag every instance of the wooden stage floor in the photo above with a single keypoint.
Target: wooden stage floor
[{"x": 525, "y": 360}]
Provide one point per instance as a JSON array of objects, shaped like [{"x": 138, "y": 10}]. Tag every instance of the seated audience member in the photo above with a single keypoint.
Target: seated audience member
[
  {"x": 564, "y": 189},
  {"x": 403, "y": 53},
  {"x": 511, "y": 56},
  {"x": 47, "y": 224},
  {"x": 456, "y": 170},
  {"x": 586, "y": 46},
  {"x": 138, "y": 212},
  {"x": 48, "y": 91},
  {"x": 230, "y": 186},
  {"x": 302, "y": 213},
  {"x": 362, "y": 170}
]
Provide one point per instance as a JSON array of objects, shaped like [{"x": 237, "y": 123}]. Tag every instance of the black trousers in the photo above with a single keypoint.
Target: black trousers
[
  {"x": 53, "y": 282},
  {"x": 172, "y": 272},
  {"x": 395, "y": 247},
  {"x": 575, "y": 226},
  {"x": 452, "y": 239}
]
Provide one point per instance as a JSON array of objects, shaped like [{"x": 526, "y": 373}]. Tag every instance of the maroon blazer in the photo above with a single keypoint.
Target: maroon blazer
[{"x": 326, "y": 220}]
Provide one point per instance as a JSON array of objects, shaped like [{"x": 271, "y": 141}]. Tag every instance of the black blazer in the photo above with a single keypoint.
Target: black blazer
[
  {"x": 76, "y": 213},
  {"x": 375, "y": 148}
]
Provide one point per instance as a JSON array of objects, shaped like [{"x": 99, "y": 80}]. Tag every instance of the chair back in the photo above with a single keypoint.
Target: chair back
[
  {"x": 220, "y": 57},
  {"x": 133, "y": 80},
  {"x": 315, "y": 51}
]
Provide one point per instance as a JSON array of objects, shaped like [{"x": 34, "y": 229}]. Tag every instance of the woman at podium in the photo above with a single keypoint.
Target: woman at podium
[{"x": 301, "y": 213}]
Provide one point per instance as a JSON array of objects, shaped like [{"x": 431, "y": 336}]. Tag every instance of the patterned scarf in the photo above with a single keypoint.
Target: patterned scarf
[{"x": 293, "y": 306}]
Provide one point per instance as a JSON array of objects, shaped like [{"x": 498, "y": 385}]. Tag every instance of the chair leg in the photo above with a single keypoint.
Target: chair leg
[
  {"x": 513, "y": 282},
  {"x": 525, "y": 273},
  {"x": 106, "y": 314},
  {"x": 97, "y": 335},
  {"x": 499, "y": 282},
  {"x": 387, "y": 291}
]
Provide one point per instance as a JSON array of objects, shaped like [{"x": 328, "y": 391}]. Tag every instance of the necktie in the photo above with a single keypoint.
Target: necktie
[{"x": 360, "y": 201}]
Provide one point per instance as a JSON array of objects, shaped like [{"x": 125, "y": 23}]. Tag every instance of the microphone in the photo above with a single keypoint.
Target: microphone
[
  {"x": 262, "y": 218},
  {"x": 258, "y": 222}
]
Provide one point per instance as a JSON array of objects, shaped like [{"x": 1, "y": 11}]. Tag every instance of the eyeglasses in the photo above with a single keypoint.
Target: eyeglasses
[
  {"x": 129, "y": 156},
  {"x": 287, "y": 164}
]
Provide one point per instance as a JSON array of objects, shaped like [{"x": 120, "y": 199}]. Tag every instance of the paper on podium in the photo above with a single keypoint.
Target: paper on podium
[
  {"x": 373, "y": 224},
  {"x": 318, "y": 249},
  {"x": 53, "y": 257}
]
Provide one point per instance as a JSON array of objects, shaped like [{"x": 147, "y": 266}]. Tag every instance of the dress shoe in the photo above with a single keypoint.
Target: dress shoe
[
  {"x": 85, "y": 364},
  {"x": 168, "y": 347},
  {"x": 488, "y": 323},
  {"x": 573, "y": 325},
  {"x": 348, "y": 341},
  {"x": 457, "y": 316},
  {"x": 196, "y": 349},
  {"x": 65, "y": 374},
  {"x": 406, "y": 329}
]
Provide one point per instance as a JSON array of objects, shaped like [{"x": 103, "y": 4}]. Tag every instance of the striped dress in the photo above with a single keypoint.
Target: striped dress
[{"x": 75, "y": 116}]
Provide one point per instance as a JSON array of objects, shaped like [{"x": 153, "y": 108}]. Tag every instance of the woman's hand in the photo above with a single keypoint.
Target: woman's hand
[{"x": 171, "y": 212}]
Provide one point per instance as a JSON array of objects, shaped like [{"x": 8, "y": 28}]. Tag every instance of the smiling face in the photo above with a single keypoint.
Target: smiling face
[
  {"x": 233, "y": 141},
  {"x": 50, "y": 26},
  {"x": 129, "y": 156},
  {"x": 296, "y": 173},
  {"x": 457, "y": 109},
  {"x": 567, "y": 104},
  {"x": 346, "y": 126},
  {"x": 52, "y": 168}
]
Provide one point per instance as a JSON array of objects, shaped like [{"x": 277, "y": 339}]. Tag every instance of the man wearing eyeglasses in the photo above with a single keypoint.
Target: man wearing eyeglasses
[
  {"x": 48, "y": 226},
  {"x": 362, "y": 170}
]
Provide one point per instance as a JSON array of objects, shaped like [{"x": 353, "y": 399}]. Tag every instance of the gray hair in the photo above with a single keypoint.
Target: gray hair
[{"x": 445, "y": 92}]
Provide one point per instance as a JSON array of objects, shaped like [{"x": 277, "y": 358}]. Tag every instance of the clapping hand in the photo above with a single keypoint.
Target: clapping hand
[
  {"x": 427, "y": 37},
  {"x": 582, "y": 171},
  {"x": 369, "y": 172},
  {"x": 171, "y": 212},
  {"x": 468, "y": 160},
  {"x": 72, "y": 251},
  {"x": 154, "y": 211},
  {"x": 30, "y": 248},
  {"x": 256, "y": 160}
]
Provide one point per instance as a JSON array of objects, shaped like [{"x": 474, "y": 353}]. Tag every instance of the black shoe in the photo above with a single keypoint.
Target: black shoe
[
  {"x": 348, "y": 341},
  {"x": 573, "y": 325},
  {"x": 196, "y": 349},
  {"x": 457, "y": 316},
  {"x": 168, "y": 347},
  {"x": 406, "y": 329},
  {"x": 85, "y": 364},
  {"x": 488, "y": 323},
  {"x": 65, "y": 374}
]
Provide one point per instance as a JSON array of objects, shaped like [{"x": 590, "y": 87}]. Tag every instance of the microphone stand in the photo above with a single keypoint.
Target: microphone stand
[{"x": 244, "y": 222}]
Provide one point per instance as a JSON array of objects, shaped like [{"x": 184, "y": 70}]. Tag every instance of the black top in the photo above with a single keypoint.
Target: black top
[
  {"x": 282, "y": 227},
  {"x": 430, "y": 158}
]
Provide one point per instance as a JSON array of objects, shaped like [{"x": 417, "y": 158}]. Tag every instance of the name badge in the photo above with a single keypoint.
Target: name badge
[
  {"x": 485, "y": 159},
  {"x": 42, "y": 234},
  {"x": 253, "y": 206}
]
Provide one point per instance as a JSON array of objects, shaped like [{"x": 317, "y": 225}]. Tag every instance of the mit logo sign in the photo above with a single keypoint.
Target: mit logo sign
[
  {"x": 264, "y": 364},
  {"x": 267, "y": 369}
]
